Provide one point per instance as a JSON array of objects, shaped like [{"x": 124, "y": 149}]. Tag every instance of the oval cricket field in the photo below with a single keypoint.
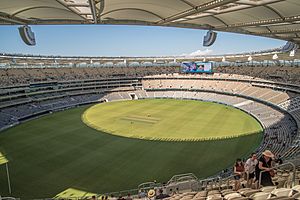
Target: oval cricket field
[{"x": 171, "y": 120}]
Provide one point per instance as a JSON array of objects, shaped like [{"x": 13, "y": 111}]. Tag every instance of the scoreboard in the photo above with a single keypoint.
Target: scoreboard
[{"x": 196, "y": 67}]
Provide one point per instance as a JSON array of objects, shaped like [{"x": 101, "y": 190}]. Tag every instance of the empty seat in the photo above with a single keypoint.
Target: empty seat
[
  {"x": 228, "y": 192},
  {"x": 281, "y": 192},
  {"x": 214, "y": 197},
  {"x": 213, "y": 192},
  {"x": 248, "y": 193},
  {"x": 260, "y": 196},
  {"x": 282, "y": 198},
  {"x": 240, "y": 198},
  {"x": 268, "y": 188},
  {"x": 232, "y": 196},
  {"x": 296, "y": 188}
]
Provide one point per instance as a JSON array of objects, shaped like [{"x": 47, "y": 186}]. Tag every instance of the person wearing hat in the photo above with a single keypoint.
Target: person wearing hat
[
  {"x": 265, "y": 165},
  {"x": 151, "y": 194}
]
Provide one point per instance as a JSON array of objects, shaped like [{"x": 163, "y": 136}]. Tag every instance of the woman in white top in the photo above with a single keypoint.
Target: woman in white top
[{"x": 250, "y": 169}]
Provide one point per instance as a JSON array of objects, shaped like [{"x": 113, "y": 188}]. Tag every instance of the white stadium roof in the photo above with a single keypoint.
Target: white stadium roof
[
  {"x": 270, "y": 18},
  {"x": 266, "y": 55}
]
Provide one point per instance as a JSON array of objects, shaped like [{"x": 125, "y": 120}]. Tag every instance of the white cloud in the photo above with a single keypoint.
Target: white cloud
[{"x": 199, "y": 53}]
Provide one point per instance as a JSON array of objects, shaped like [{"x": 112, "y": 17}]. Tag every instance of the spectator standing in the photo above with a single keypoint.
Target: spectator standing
[
  {"x": 264, "y": 167},
  {"x": 142, "y": 194},
  {"x": 128, "y": 197},
  {"x": 250, "y": 169}
]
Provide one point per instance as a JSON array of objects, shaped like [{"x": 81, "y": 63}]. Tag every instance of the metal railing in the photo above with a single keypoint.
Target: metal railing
[
  {"x": 213, "y": 182},
  {"x": 149, "y": 185},
  {"x": 182, "y": 177},
  {"x": 132, "y": 192}
]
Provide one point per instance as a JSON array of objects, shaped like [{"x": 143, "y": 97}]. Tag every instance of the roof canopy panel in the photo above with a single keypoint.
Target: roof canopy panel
[
  {"x": 209, "y": 20},
  {"x": 45, "y": 13},
  {"x": 287, "y": 8},
  {"x": 14, "y": 6},
  {"x": 163, "y": 8},
  {"x": 137, "y": 14},
  {"x": 270, "y": 18}
]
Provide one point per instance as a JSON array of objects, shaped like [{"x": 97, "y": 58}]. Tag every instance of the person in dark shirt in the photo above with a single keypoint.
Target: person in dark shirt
[
  {"x": 128, "y": 197},
  {"x": 265, "y": 165},
  {"x": 121, "y": 198},
  {"x": 161, "y": 195}
]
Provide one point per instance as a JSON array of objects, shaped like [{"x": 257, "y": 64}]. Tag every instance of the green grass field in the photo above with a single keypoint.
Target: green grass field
[
  {"x": 170, "y": 119},
  {"x": 58, "y": 151}
]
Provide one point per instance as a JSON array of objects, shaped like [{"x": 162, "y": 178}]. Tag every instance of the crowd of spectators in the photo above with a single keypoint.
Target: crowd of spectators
[
  {"x": 285, "y": 74},
  {"x": 18, "y": 76}
]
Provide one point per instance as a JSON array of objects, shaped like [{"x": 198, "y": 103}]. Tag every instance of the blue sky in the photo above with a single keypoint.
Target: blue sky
[{"x": 109, "y": 40}]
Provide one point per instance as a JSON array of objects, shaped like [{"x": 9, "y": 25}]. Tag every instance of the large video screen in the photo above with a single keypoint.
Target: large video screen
[{"x": 196, "y": 67}]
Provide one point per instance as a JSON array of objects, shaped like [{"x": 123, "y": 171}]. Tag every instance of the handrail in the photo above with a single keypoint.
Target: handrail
[
  {"x": 176, "y": 178},
  {"x": 277, "y": 167},
  {"x": 213, "y": 180},
  {"x": 227, "y": 179},
  {"x": 133, "y": 192},
  {"x": 147, "y": 185}
]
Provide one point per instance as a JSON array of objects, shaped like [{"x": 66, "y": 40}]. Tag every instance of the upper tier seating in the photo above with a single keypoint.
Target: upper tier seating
[
  {"x": 275, "y": 73},
  {"x": 17, "y": 76}
]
